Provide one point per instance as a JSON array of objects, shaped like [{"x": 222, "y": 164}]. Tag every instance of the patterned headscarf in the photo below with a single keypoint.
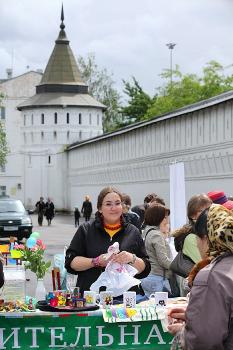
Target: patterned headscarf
[
  {"x": 220, "y": 233},
  {"x": 220, "y": 229}
]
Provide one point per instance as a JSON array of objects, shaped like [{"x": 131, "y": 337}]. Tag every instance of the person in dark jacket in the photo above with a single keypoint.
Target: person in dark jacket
[
  {"x": 129, "y": 215},
  {"x": 49, "y": 211},
  {"x": 207, "y": 324},
  {"x": 86, "y": 253},
  {"x": 87, "y": 208},
  {"x": 76, "y": 216},
  {"x": 40, "y": 206}
]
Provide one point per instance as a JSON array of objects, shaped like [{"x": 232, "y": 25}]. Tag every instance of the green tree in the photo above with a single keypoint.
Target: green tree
[
  {"x": 3, "y": 144},
  {"x": 189, "y": 88},
  {"x": 138, "y": 103},
  {"x": 101, "y": 86}
]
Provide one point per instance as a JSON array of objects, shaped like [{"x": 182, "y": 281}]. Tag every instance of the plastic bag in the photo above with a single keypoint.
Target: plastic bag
[{"x": 117, "y": 278}]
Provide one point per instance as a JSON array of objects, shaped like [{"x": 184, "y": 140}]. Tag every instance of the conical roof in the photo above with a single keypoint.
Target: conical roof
[
  {"x": 62, "y": 73},
  {"x": 61, "y": 84}
]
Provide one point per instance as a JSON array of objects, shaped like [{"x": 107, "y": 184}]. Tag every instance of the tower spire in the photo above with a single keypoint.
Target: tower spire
[{"x": 62, "y": 25}]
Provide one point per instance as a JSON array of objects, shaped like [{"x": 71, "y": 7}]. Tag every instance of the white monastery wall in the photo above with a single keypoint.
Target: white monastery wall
[{"x": 137, "y": 161}]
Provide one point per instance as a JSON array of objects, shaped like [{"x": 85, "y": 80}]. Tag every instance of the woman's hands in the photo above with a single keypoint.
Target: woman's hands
[
  {"x": 176, "y": 318},
  {"x": 122, "y": 257}
]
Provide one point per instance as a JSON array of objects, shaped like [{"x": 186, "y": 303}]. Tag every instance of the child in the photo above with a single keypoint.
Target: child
[{"x": 76, "y": 216}]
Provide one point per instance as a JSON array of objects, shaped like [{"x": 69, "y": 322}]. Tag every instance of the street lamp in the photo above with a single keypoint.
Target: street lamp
[{"x": 171, "y": 47}]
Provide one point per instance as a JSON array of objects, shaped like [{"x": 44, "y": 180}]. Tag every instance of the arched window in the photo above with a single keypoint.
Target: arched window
[
  {"x": 42, "y": 118},
  {"x": 67, "y": 118},
  {"x": 55, "y": 118},
  {"x": 32, "y": 119},
  {"x": 80, "y": 118},
  {"x": 49, "y": 159}
]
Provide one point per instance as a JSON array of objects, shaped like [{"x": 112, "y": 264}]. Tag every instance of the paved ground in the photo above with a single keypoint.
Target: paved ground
[{"x": 55, "y": 237}]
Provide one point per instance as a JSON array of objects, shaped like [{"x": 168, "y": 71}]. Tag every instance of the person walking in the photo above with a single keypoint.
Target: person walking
[
  {"x": 87, "y": 208},
  {"x": 76, "y": 216},
  {"x": 40, "y": 206},
  {"x": 49, "y": 211}
]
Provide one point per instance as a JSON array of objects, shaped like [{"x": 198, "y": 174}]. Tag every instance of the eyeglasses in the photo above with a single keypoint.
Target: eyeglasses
[{"x": 112, "y": 204}]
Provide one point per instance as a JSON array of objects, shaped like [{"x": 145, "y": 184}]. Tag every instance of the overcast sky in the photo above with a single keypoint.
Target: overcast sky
[{"x": 128, "y": 37}]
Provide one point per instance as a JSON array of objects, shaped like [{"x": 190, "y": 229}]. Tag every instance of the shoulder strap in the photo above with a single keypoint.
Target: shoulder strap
[{"x": 150, "y": 229}]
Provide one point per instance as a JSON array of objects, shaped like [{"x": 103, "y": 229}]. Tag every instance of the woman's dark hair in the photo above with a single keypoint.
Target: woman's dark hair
[
  {"x": 200, "y": 227},
  {"x": 149, "y": 197},
  {"x": 104, "y": 193},
  {"x": 126, "y": 199},
  {"x": 158, "y": 199},
  {"x": 196, "y": 203},
  {"x": 155, "y": 214}
]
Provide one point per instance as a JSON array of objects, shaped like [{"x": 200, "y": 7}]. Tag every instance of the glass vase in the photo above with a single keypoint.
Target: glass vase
[{"x": 40, "y": 290}]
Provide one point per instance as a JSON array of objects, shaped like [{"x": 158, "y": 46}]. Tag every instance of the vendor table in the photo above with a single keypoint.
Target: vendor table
[{"x": 61, "y": 330}]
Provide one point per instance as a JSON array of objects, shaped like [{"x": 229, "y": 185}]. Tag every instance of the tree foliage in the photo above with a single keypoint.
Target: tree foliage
[
  {"x": 101, "y": 86},
  {"x": 189, "y": 88},
  {"x": 3, "y": 143},
  {"x": 138, "y": 102}
]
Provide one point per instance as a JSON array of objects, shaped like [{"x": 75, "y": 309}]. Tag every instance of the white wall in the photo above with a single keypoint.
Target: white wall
[{"x": 138, "y": 161}]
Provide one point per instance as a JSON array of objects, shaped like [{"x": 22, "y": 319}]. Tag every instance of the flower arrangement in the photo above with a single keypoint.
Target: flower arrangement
[{"x": 32, "y": 252}]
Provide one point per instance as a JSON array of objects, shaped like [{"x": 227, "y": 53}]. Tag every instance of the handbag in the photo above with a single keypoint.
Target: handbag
[{"x": 182, "y": 265}]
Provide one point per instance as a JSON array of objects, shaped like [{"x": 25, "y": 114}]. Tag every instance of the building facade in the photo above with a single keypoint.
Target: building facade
[{"x": 55, "y": 111}]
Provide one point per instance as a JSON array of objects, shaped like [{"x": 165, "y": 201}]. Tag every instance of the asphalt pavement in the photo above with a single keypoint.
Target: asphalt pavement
[{"x": 55, "y": 237}]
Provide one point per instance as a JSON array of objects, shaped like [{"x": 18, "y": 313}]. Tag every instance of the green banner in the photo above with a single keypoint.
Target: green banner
[{"x": 77, "y": 332}]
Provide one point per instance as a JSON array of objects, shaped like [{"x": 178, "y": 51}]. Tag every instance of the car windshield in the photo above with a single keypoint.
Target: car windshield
[{"x": 11, "y": 206}]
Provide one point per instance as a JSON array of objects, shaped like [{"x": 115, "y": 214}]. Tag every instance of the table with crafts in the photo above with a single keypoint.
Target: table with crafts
[{"x": 141, "y": 328}]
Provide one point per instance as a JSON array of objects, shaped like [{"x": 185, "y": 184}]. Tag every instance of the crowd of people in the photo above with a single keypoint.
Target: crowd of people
[
  {"x": 201, "y": 270},
  {"x": 203, "y": 267}
]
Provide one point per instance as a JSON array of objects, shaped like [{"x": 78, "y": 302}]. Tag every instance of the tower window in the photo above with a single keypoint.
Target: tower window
[
  {"x": 80, "y": 135},
  {"x": 42, "y": 118},
  {"x": 2, "y": 113},
  {"x": 42, "y": 135},
  {"x": 90, "y": 119},
  {"x": 32, "y": 119},
  {"x": 98, "y": 119},
  {"x": 24, "y": 119},
  {"x": 67, "y": 118},
  {"x": 3, "y": 190},
  {"x": 68, "y": 135},
  {"x": 80, "y": 118},
  {"x": 49, "y": 159},
  {"x": 54, "y": 135},
  {"x": 55, "y": 118},
  {"x": 2, "y": 168}
]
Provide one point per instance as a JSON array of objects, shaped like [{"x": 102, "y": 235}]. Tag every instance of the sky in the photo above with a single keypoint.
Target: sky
[{"x": 128, "y": 37}]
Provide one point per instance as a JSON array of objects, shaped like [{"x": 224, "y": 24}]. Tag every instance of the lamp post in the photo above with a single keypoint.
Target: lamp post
[{"x": 171, "y": 47}]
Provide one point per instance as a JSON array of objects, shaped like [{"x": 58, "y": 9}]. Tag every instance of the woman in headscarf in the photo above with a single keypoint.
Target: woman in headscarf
[{"x": 207, "y": 323}]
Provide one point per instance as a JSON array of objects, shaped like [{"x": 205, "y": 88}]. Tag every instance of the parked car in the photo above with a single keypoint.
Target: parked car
[{"x": 14, "y": 219}]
